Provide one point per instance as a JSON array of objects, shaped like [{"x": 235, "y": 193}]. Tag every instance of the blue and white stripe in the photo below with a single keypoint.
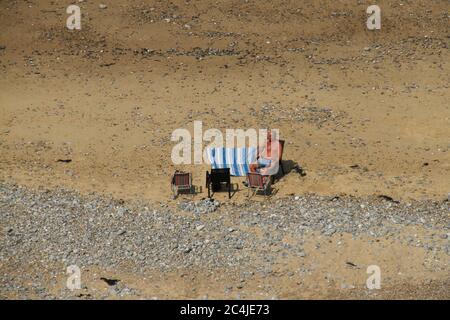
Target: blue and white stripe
[{"x": 237, "y": 159}]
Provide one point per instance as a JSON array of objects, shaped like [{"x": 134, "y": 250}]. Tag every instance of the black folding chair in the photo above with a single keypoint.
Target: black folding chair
[{"x": 216, "y": 178}]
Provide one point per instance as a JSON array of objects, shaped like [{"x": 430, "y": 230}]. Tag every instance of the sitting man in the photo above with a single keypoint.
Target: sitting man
[{"x": 267, "y": 162}]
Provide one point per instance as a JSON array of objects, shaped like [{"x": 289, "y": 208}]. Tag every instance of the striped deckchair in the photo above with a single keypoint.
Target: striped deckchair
[
  {"x": 237, "y": 159},
  {"x": 181, "y": 181}
]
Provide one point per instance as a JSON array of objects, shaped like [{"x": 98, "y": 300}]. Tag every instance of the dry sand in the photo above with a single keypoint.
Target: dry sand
[{"x": 363, "y": 113}]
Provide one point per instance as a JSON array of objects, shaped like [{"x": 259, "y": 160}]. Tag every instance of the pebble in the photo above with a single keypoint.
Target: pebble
[{"x": 63, "y": 226}]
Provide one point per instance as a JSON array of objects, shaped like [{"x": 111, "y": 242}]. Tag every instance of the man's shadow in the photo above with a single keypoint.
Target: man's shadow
[{"x": 287, "y": 167}]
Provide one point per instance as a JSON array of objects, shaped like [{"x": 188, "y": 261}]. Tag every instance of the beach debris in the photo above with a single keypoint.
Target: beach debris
[
  {"x": 64, "y": 160},
  {"x": 110, "y": 282}
]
